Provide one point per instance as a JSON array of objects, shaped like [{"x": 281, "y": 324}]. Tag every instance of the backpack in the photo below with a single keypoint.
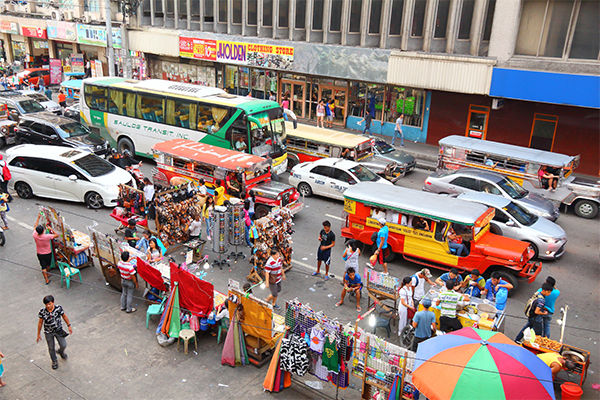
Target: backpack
[
  {"x": 531, "y": 304},
  {"x": 6, "y": 173}
]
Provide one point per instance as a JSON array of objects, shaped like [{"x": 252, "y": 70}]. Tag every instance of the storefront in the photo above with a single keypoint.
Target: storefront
[
  {"x": 19, "y": 48},
  {"x": 7, "y": 29}
]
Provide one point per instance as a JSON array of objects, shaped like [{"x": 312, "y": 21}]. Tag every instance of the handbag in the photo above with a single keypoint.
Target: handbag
[
  {"x": 272, "y": 279},
  {"x": 410, "y": 313}
]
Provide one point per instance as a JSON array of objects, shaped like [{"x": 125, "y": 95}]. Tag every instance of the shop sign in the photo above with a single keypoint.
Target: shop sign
[
  {"x": 9, "y": 27},
  {"x": 97, "y": 69},
  {"x": 34, "y": 32},
  {"x": 40, "y": 44},
  {"x": 62, "y": 30},
  {"x": 77, "y": 65},
  {"x": 259, "y": 55},
  {"x": 96, "y": 36},
  {"x": 55, "y": 71}
]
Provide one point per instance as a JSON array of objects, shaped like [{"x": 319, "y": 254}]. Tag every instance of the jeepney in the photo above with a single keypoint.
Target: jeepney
[
  {"x": 179, "y": 161},
  {"x": 72, "y": 86},
  {"x": 522, "y": 165},
  {"x": 419, "y": 224}
]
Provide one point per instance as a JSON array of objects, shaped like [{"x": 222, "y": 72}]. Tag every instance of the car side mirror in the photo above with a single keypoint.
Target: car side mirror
[
  {"x": 510, "y": 223},
  {"x": 54, "y": 137},
  {"x": 73, "y": 177}
]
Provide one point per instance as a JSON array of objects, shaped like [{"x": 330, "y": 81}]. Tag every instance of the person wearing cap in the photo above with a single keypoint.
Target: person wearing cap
[
  {"x": 130, "y": 233},
  {"x": 424, "y": 324},
  {"x": 473, "y": 283},
  {"x": 418, "y": 284},
  {"x": 382, "y": 239}
]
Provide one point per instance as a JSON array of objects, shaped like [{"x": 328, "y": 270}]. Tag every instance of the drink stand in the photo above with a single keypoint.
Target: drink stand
[
  {"x": 131, "y": 204},
  {"x": 220, "y": 235},
  {"x": 382, "y": 288},
  {"x": 237, "y": 230}
]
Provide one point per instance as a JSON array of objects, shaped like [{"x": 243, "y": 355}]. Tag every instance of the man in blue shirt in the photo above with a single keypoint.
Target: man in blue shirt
[
  {"x": 424, "y": 323},
  {"x": 382, "y": 239},
  {"x": 352, "y": 283},
  {"x": 492, "y": 286},
  {"x": 452, "y": 275},
  {"x": 550, "y": 300},
  {"x": 534, "y": 319}
]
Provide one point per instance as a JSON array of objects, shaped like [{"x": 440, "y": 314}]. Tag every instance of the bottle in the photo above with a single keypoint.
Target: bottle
[{"x": 501, "y": 298}]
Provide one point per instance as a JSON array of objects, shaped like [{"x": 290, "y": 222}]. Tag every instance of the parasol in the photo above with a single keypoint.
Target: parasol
[{"x": 474, "y": 364}]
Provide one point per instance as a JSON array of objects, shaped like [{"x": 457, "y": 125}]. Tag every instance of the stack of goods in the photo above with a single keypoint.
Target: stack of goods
[
  {"x": 382, "y": 282},
  {"x": 131, "y": 201},
  {"x": 74, "y": 244},
  {"x": 274, "y": 232},
  {"x": 220, "y": 230},
  {"x": 237, "y": 226},
  {"x": 175, "y": 209},
  {"x": 548, "y": 344}
]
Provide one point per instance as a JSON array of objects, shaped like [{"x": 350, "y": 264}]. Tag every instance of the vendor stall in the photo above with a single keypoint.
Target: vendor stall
[
  {"x": 131, "y": 204},
  {"x": 382, "y": 288},
  {"x": 71, "y": 246}
]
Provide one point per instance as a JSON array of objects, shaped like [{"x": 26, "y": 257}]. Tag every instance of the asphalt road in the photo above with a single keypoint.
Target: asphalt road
[{"x": 111, "y": 354}]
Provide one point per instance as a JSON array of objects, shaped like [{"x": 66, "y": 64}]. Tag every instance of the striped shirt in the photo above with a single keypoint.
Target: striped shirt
[
  {"x": 274, "y": 267},
  {"x": 126, "y": 269},
  {"x": 448, "y": 301}
]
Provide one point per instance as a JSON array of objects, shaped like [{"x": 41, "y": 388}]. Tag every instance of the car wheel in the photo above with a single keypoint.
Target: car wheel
[
  {"x": 94, "y": 200},
  {"x": 261, "y": 211},
  {"x": 586, "y": 209},
  {"x": 292, "y": 162},
  {"x": 510, "y": 278},
  {"x": 126, "y": 144},
  {"x": 388, "y": 254},
  {"x": 536, "y": 251},
  {"x": 304, "y": 189},
  {"x": 23, "y": 190},
  {"x": 495, "y": 229}
]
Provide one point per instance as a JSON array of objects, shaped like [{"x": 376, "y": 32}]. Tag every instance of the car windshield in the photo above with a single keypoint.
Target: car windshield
[
  {"x": 363, "y": 174},
  {"x": 30, "y": 106},
  {"x": 383, "y": 147},
  {"x": 72, "y": 130},
  {"x": 513, "y": 189},
  {"x": 520, "y": 214},
  {"x": 38, "y": 97},
  {"x": 93, "y": 165}
]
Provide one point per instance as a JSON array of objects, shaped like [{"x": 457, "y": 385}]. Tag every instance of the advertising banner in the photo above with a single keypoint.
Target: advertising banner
[
  {"x": 55, "y": 71},
  {"x": 97, "y": 69},
  {"x": 61, "y": 30},
  {"x": 39, "y": 33},
  {"x": 9, "y": 27},
  {"x": 258, "y": 55},
  {"x": 77, "y": 63},
  {"x": 96, "y": 36}
]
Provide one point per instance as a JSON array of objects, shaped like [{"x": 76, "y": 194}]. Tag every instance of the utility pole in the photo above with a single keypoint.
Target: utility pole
[
  {"x": 128, "y": 8},
  {"x": 109, "y": 39}
]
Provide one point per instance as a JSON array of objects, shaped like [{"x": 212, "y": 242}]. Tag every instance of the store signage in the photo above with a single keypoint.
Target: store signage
[
  {"x": 55, "y": 71},
  {"x": 40, "y": 44},
  {"x": 77, "y": 63},
  {"x": 62, "y": 30},
  {"x": 34, "y": 32},
  {"x": 9, "y": 27},
  {"x": 96, "y": 36},
  {"x": 259, "y": 55}
]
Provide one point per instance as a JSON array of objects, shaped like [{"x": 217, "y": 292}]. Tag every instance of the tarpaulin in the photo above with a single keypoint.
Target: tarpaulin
[
  {"x": 150, "y": 275},
  {"x": 195, "y": 295}
]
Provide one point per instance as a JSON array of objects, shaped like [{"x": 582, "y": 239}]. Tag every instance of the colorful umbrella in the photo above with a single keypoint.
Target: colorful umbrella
[{"x": 475, "y": 364}]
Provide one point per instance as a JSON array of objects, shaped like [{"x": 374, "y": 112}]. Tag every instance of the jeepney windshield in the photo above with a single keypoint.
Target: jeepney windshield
[
  {"x": 268, "y": 141},
  {"x": 520, "y": 214},
  {"x": 513, "y": 189}
]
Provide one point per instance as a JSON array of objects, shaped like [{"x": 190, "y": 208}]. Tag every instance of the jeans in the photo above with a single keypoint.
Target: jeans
[
  {"x": 546, "y": 320},
  {"x": 248, "y": 236},
  {"x": 367, "y": 129},
  {"x": 461, "y": 250},
  {"x": 127, "y": 294},
  {"x": 534, "y": 322},
  {"x": 401, "y": 137},
  {"x": 208, "y": 225},
  {"x": 62, "y": 344}
]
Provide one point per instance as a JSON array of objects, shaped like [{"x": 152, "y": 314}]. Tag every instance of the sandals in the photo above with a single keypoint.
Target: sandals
[
  {"x": 338, "y": 304},
  {"x": 358, "y": 309},
  {"x": 131, "y": 311},
  {"x": 315, "y": 273},
  {"x": 325, "y": 278},
  {"x": 47, "y": 283}
]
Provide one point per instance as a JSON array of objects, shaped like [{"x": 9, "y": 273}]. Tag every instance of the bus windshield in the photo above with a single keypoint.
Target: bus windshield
[{"x": 269, "y": 141}]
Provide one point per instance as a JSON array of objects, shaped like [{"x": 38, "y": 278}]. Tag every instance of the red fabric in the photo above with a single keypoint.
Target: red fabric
[
  {"x": 150, "y": 275},
  {"x": 195, "y": 295}
]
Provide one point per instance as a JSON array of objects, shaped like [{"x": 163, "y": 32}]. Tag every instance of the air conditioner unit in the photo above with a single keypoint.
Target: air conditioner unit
[
  {"x": 55, "y": 15},
  {"x": 87, "y": 18},
  {"x": 68, "y": 15}
]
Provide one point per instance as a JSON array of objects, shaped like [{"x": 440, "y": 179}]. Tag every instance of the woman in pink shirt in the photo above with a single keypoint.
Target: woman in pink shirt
[{"x": 43, "y": 247}]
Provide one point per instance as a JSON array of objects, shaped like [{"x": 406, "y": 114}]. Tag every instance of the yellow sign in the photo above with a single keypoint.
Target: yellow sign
[
  {"x": 350, "y": 206},
  {"x": 358, "y": 226}
]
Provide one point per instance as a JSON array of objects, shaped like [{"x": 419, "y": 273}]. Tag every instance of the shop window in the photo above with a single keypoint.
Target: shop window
[
  {"x": 181, "y": 113},
  {"x": 96, "y": 97},
  {"x": 236, "y": 12},
  {"x": 542, "y": 132},
  {"x": 209, "y": 12},
  {"x": 91, "y": 5},
  {"x": 466, "y": 17},
  {"x": 335, "y": 19},
  {"x": 267, "y": 13},
  {"x": 375, "y": 17},
  {"x": 284, "y": 13},
  {"x": 586, "y": 40},
  {"x": 355, "y": 15},
  {"x": 418, "y": 19},
  {"x": 404, "y": 101},
  {"x": 396, "y": 20},
  {"x": 358, "y": 93},
  {"x": 489, "y": 18},
  {"x": 317, "y": 16},
  {"x": 300, "y": 14},
  {"x": 150, "y": 108},
  {"x": 441, "y": 19},
  {"x": 252, "y": 13},
  {"x": 222, "y": 11}
]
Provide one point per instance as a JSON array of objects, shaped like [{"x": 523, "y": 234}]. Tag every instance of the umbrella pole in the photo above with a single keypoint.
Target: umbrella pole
[
  {"x": 564, "y": 322},
  {"x": 403, "y": 374}
]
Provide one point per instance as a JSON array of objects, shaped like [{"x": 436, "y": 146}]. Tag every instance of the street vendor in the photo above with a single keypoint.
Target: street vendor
[
  {"x": 448, "y": 300},
  {"x": 556, "y": 362},
  {"x": 130, "y": 233}
]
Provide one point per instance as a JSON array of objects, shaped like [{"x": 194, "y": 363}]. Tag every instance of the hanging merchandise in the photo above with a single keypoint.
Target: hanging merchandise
[
  {"x": 131, "y": 204},
  {"x": 176, "y": 208},
  {"x": 237, "y": 229},
  {"x": 294, "y": 355},
  {"x": 331, "y": 357}
]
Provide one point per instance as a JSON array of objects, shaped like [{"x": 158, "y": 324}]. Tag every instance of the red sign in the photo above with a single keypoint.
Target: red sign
[
  {"x": 55, "y": 71},
  {"x": 201, "y": 49},
  {"x": 39, "y": 33}
]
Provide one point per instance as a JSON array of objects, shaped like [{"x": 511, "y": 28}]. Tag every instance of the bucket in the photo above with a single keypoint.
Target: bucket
[
  {"x": 571, "y": 391},
  {"x": 203, "y": 324}
]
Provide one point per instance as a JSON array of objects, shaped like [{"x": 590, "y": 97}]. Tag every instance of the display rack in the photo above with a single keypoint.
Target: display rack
[
  {"x": 220, "y": 235},
  {"x": 382, "y": 288},
  {"x": 237, "y": 230},
  {"x": 131, "y": 203}
]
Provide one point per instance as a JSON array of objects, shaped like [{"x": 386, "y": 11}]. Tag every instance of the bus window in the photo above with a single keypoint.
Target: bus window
[
  {"x": 129, "y": 106},
  {"x": 204, "y": 170},
  {"x": 237, "y": 130},
  {"x": 115, "y": 104},
  {"x": 476, "y": 157},
  {"x": 180, "y": 163},
  {"x": 96, "y": 97},
  {"x": 211, "y": 119},
  {"x": 181, "y": 113},
  {"x": 336, "y": 151},
  {"x": 150, "y": 108}
]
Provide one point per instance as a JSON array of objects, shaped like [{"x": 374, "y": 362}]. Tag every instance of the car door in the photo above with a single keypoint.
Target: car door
[
  {"x": 67, "y": 189},
  {"x": 503, "y": 224},
  {"x": 34, "y": 132},
  {"x": 37, "y": 173},
  {"x": 339, "y": 181},
  {"x": 463, "y": 184},
  {"x": 318, "y": 178}
]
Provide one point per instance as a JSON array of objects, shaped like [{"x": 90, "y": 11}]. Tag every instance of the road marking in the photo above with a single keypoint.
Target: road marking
[
  {"x": 24, "y": 225},
  {"x": 334, "y": 216},
  {"x": 313, "y": 268}
]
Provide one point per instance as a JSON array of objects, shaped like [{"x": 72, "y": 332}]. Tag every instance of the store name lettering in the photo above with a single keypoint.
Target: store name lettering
[{"x": 231, "y": 51}]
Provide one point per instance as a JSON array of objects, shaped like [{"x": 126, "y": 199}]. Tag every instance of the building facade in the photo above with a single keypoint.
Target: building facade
[{"x": 525, "y": 72}]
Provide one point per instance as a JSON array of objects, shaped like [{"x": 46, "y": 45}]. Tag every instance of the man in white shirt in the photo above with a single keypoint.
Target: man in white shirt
[
  {"x": 418, "y": 284},
  {"x": 148, "y": 191},
  {"x": 201, "y": 187}
]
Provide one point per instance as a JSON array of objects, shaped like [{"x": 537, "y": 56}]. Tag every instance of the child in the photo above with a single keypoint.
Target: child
[
  {"x": 2, "y": 383},
  {"x": 351, "y": 255},
  {"x": 4, "y": 209}
]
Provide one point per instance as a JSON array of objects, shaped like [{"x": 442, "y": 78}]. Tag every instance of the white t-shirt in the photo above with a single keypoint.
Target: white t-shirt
[
  {"x": 149, "y": 192},
  {"x": 399, "y": 123},
  {"x": 202, "y": 189},
  {"x": 406, "y": 295},
  {"x": 419, "y": 287},
  {"x": 195, "y": 228}
]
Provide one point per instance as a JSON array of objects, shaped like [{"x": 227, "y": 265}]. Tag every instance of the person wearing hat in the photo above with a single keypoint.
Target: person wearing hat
[
  {"x": 382, "y": 239},
  {"x": 418, "y": 284},
  {"x": 424, "y": 324},
  {"x": 130, "y": 233}
]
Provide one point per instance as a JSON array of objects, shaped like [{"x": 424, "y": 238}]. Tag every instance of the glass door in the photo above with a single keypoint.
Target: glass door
[
  {"x": 340, "y": 97},
  {"x": 297, "y": 93},
  {"x": 478, "y": 119}
]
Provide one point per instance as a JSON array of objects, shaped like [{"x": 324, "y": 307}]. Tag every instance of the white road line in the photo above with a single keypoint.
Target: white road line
[
  {"x": 314, "y": 268},
  {"x": 334, "y": 216},
  {"x": 24, "y": 225}
]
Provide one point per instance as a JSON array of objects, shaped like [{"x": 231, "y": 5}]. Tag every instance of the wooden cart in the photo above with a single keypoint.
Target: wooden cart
[
  {"x": 378, "y": 296},
  {"x": 108, "y": 251}
]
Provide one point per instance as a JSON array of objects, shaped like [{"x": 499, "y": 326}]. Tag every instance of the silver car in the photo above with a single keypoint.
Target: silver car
[
  {"x": 547, "y": 239},
  {"x": 475, "y": 180},
  {"x": 48, "y": 104}
]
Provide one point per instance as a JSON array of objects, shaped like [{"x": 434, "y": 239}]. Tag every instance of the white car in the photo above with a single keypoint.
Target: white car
[
  {"x": 41, "y": 98},
  {"x": 330, "y": 177},
  {"x": 65, "y": 173}
]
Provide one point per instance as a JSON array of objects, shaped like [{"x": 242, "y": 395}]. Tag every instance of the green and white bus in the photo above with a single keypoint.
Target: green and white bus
[{"x": 135, "y": 115}]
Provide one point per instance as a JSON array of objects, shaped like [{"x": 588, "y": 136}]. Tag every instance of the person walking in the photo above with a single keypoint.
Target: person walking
[
  {"x": 424, "y": 324},
  {"x": 43, "y": 246},
  {"x": 5, "y": 177},
  {"x": 320, "y": 113},
  {"x": 128, "y": 282},
  {"x": 367, "y": 120},
  {"x": 418, "y": 284},
  {"x": 406, "y": 303},
  {"x": 62, "y": 99},
  {"x": 2, "y": 383},
  {"x": 549, "y": 306},
  {"x": 48, "y": 93},
  {"x": 327, "y": 241},
  {"x": 381, "y": 240},
  {"x": 351, "y": 255},
  {"x": 398, "y": 130},
  {"x": 49, "y": 316},
  {"x": 536, "y": 312},
  {"x": 330, "y": 111},
  {"x": 4, "y": 209},
  {"x": 274, "y": 274}
]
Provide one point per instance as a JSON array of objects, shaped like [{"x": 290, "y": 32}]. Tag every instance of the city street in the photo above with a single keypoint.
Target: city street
[{"x": 112, "y": 355}]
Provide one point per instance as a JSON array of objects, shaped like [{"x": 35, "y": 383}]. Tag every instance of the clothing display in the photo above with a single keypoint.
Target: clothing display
[
  {"x": 293, "y": 355},
  {"x": 317, "y": 339},
  {"x": 331, "y": 356}
]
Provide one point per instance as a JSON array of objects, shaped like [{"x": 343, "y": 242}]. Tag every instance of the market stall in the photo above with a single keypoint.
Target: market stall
[
  {"x": 131, "y": 204},
  {"x": 382, "y": 288}
]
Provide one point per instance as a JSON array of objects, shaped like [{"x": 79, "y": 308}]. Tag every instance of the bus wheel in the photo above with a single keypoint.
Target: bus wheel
[
  {"x": 261, "y": 211},
  {"x": 126, "y": 144},
  {"x": 510, "y": 278},
  {"x": 388, "y": 254}
]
